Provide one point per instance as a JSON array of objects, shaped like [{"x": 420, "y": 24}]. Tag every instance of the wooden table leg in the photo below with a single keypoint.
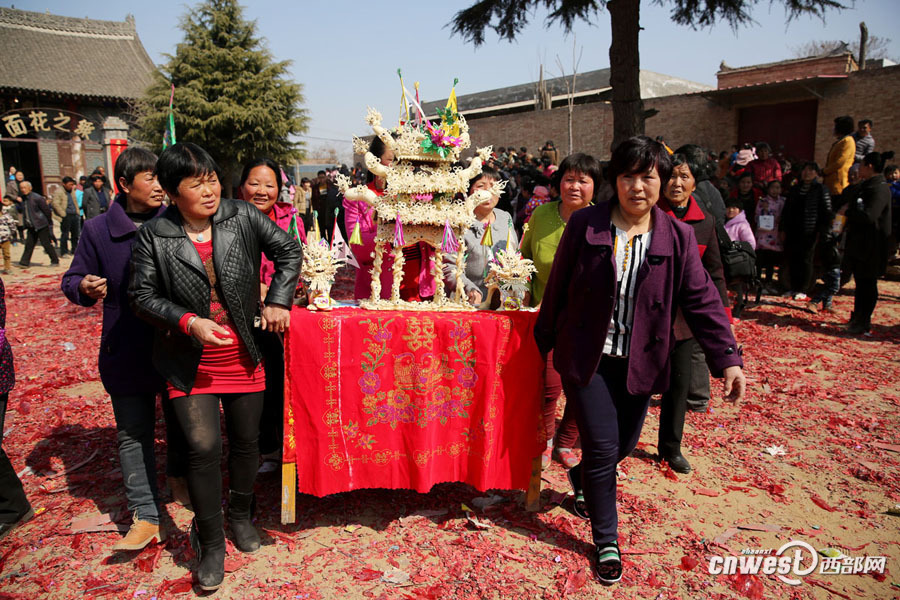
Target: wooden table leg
[
  {"x": 289, "y": 493},
  {"x": 533, "y": 495}
]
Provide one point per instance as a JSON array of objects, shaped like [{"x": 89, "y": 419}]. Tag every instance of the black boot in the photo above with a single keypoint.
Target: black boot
[
  {"x": 208, "y": 541},
  {"x": 240, "y": 509}
]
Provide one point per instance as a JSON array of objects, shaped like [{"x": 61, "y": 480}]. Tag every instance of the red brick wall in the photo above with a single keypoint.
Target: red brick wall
[
  {"x": 592, "y": 129},
  {"x": 690, "y": 118},
  {"x": 870, "y": 94},
  {"x": 829, "y": 65}
]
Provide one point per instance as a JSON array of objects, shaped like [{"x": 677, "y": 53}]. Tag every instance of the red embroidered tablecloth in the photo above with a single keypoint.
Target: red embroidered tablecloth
[{"x": 384, "y": 399}]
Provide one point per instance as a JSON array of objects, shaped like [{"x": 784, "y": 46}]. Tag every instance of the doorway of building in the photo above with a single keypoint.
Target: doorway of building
[
  {"x": 789, "y": 127},
  {"x": 23, "y": 155}
]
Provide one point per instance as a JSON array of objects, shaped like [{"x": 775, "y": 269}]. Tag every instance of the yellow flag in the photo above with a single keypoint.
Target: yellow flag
[{"x": 451, "y": 105}]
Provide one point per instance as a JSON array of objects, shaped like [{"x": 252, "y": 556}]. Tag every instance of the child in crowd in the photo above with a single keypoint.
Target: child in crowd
[
  {"x": 736, "y": 222},
  {"x": 892, "y": 176},
  {"x": 540, "y": 195},
  {"x": 738, "y": 229},
  {"x": 769, "y": 237},
  {"x": 7, "y": 230},
  {"x": 748, "y": 195}
]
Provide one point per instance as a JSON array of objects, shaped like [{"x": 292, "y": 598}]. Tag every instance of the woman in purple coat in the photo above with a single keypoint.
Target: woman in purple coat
[
  {"x": 621, "y": 272},
  {"x": 100, "y": 271}
]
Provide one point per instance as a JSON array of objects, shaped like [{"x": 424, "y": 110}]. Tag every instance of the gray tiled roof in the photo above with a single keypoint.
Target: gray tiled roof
[
  {"x": 81, "y": 57},
  {"x": 653, "y": 85}
]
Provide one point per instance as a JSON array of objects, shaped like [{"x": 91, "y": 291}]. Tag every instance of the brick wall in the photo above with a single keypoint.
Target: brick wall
[
  {"x": 870, "y": 94},
  {"x": 828, "y": 65},
  {"x": 592, "y": 129},
  {"x": 690, "y": 118}
]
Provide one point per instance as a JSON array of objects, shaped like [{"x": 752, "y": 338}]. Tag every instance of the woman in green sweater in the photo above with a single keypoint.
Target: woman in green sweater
[{"x": 578, "y": 179}]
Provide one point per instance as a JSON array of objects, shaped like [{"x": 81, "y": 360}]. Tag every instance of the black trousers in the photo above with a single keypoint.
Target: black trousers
[
  {"x": 198, "y": 416},
  {"x": 271, "y": 426},
  {"x": 33, "y": 237},
  {"x": 865, "y": 299},
  {"x": 674, "y": 401},
  {"x": 801, "y": 253},
  {"x": 13, "y": 503}
]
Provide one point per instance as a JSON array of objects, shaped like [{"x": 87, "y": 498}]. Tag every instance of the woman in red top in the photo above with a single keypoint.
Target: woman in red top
[
  {"x": 261, "y": 186},
  {"x": 195, "y": 276}
]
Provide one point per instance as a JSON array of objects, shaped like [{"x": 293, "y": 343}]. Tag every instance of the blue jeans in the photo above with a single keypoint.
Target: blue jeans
[
  {"x": 135, "y": 425},
  {"x": 831, "y": 279}
]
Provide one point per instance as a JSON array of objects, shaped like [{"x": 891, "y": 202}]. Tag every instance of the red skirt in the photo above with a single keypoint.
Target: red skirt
[{"x": 226, "y": 370}]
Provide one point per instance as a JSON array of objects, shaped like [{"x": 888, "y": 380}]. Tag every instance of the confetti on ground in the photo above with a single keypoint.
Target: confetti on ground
[{"x": 830, "y": 401}]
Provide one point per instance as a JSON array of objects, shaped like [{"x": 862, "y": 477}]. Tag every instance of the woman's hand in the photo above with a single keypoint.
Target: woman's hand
[
  {"x": 474, "y": 297},
  {"x": 735, "y": 384},
  {"x": 275, "y": 318},
  {"x": 210, "y": 333},
  {"x": 93, "y": 287}
]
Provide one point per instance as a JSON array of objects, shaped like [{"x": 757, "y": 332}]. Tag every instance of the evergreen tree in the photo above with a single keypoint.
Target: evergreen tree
[
  {"x": 509, "y": 17},
  {"x": 231, "y": 98}
]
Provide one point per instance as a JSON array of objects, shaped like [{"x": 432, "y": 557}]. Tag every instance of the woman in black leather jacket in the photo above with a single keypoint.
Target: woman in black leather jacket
[{"x": 195, "y": 273}]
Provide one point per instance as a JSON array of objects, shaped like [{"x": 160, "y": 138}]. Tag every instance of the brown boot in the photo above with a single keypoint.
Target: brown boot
[
  {"x": 179, "y": 491},
  {"x": 140, "y": 534}
]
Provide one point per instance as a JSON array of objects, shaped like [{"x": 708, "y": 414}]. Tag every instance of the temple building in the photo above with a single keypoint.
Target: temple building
[{"x": 66, "y": 90}]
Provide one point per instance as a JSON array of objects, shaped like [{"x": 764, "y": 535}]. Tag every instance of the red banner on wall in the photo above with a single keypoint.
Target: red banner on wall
[
  {"x": 116, "y": 147},
  {"x": 383, "y": 399}
]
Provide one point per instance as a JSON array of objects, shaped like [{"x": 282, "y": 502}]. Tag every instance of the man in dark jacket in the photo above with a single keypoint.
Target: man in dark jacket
[
  {"x": 37, "y": 215},
  {"x": 96, "y": 199},
  {"x": 868, "y": 211}
]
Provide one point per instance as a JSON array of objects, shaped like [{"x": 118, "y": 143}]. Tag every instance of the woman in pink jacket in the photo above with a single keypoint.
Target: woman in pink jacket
[{"x": 418, "y": 278}]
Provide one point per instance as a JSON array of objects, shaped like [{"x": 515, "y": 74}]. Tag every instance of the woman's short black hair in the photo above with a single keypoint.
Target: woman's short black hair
[
  {"x": 261, "y": 162},
  {"x": 183, "y": 160},
  {"x": 133, "y": 161},
  {"x": 580, "y": 163},
  {"x": 377, "y": 147},
  {"x": 745, "y": 175},
  {"x": 695, "y": 158},
  {"x": 486, "y": 171},
  {"x": 639, "y": 154},
  {"x": 843, "y": 125},
  {"x": 876, "y": 160},
  {"x": 305, "y": 180}
]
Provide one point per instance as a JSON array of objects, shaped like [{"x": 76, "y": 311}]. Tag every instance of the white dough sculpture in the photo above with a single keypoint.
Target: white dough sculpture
[
  {"x": 510, "y": 272},
  {"x": 424, "y": 201},
  {"x": 320, "y": 265}
]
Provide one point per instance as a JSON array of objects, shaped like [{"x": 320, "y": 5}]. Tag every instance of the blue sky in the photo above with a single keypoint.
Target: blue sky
[{"x": 346, "y": 54}]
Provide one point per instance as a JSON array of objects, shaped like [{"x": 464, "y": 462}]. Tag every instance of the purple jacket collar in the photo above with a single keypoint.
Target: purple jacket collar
[
  {"x": 599, "y": 231},
  {"x": 117, "y": 221}
]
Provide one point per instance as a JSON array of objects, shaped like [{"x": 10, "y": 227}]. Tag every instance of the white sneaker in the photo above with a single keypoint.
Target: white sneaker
[{"x": 800, "y": 296}]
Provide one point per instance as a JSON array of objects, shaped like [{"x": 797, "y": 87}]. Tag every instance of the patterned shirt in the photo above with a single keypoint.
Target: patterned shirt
[{"x": 630, "y": 256}]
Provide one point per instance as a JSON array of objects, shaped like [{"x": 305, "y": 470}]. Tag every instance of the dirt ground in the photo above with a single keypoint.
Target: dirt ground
[{"x": 828, "y": 400}]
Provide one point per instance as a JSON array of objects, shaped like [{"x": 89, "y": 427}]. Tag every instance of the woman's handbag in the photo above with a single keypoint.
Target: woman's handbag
[{"x": 738, "y": 258}]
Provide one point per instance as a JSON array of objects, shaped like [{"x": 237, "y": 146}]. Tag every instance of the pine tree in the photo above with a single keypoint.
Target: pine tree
[
  {"x": 231, "y": 97},
  {"x": 509, "y": 17}
]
